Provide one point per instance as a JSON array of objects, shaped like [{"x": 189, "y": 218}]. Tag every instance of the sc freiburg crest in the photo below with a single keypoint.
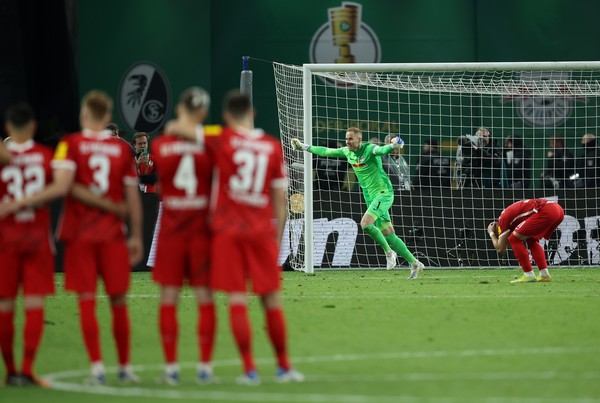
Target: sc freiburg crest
[{"x": 144, "y": 98}]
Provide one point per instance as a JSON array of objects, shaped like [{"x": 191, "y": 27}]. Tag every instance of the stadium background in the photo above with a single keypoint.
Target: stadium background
[{"x": 57, "y": 50}]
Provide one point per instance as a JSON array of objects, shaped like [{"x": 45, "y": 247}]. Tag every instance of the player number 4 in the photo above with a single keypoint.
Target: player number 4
[{"x": 185, "y": 178}]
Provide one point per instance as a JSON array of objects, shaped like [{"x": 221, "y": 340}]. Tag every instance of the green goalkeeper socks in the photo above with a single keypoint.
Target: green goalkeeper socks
[
  {"x": 399, "y": 247},
  {"x": 377, "y": 236}
]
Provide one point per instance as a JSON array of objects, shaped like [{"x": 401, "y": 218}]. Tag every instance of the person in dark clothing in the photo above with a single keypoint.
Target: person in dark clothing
[
  {"x": 479, "y": 160},
  {"x": 588, "y": 165},
  {"x": 433, "y": 169},
  {"x": 517, "y": 164},
  {"x": 559, "y": 165}
]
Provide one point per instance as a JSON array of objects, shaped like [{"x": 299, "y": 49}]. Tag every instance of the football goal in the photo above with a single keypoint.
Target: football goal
[{"x": 478, "y": 136}]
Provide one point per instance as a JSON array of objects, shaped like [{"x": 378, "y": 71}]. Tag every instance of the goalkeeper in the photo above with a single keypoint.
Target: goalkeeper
[{"x": 377, "y": 191}]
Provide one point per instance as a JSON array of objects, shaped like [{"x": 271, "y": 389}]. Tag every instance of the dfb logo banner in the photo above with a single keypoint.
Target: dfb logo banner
[{"x": 144, "y": 98}]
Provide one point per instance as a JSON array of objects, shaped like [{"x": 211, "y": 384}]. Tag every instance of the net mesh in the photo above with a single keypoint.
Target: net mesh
[{"x": 476, "y": 141}]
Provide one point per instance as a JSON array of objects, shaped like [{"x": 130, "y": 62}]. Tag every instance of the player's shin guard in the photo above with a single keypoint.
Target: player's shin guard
[
  {"x": 89, "y": 328},
  {"x": 207, "y": 326},
  {"x": 169, "y": 330},
  {"x": 121, "y": 329},
  {"x": 32, "y": 333},
  {"x": 242, "y": 333},
  {"x": 278, "y": 335},
  {"x": 520, "y": 252},
  {"x": 537, "y": 253},
  {"x": 7, "y": 336},
  {"x": 377, "y": 236},
  {"x": 399, "y": 247}
]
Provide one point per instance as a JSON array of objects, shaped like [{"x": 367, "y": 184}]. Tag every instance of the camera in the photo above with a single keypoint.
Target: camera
[{"x": 469, "y": 141}]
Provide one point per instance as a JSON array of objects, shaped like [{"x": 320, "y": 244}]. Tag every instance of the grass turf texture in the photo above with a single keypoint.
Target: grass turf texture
[{"x": 360, "y": 336}]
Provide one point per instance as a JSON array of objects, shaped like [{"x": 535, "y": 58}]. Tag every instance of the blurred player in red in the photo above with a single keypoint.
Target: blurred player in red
[
  {"x": 4, "y": 154},
  {"x": 26, "y": 250},
  {"x": 247, "y": 225},
  {"x": 95, "y": 239},
  {"x": 527, "y": 221},
  {"x": 185, "y": 173}
]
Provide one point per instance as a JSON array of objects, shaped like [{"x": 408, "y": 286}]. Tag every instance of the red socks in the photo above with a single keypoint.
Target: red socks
[
  {"x": 7, "y": 335},
  {"x": 278, "y": 335},
  {"x": 121, "y": 329},
  {"x": 169, "y": 330},
  {"x": 207, "y": 326},
  {"x": 520, "y": 252},
  {"x": 537, "y": 253},
  {"x": 89, "y": 328},
  {"x": 32, "y": 333},
  {"x": 242, "y": 333}
]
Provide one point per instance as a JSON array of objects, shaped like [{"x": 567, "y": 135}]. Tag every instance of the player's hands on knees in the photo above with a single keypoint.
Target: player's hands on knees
[{"x": 136, "y": 249}]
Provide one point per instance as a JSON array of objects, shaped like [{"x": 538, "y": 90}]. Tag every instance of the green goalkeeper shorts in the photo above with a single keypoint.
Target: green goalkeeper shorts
[{"x": 379, "y": 208}]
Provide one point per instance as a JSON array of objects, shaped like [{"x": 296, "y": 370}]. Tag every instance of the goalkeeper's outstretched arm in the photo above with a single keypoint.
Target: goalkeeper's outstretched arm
[
  {"x": 395, "y": 144},
  {"x": 318, "y": 150}
]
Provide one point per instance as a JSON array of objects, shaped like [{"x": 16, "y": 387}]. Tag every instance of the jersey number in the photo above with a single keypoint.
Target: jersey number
[
  {"x": 20, "y": 183},
  {"x": 100, "y": 166},
  {"x": 251, "y": 172},
  {"x": 185, "y": 178}
]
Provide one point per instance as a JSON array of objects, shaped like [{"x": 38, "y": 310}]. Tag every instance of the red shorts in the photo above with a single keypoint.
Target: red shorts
[
  {"x": 237, "y": 260},
  {"x": 543, "y": 223},
  {"x": 178, "y": 260},
  {"x": 34, "y": 270},
  {"x": 86, "y": 261}
]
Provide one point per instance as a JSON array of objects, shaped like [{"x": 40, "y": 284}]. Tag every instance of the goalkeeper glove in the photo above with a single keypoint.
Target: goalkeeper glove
[
  {"x": 299, "y": 145},
  {"x": 397, "y": 142}
]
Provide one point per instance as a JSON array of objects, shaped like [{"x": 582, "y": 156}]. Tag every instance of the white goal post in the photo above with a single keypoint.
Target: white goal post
[{"x": 478, "y": 136}]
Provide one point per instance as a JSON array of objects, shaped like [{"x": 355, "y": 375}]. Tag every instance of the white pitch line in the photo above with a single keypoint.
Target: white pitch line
[
  {"x": 257, "y": 396},
  {"x": 371, "y": 295}
]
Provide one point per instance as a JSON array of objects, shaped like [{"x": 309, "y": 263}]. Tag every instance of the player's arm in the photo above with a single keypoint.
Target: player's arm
[
  {"x": 4, "y": 154},
  {"x": 318, "y": 150},
  {"x": 86, "y": 196},
  {"x": 279, "y": 209},
  {"x": 182, "y": 130},
  {"x": 500, "y": 242},
  {"x": 59, "y": 187},
  {"x": 134, "y": 208},
  {"x": 396, "y": 143}
]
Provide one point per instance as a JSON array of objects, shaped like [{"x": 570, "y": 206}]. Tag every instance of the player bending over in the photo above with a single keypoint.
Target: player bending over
[
  {"x": 529, "y": 221},
  {"x": 377, "y": 189}
]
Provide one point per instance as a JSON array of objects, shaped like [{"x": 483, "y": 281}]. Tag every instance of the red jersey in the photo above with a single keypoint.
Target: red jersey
[
  {"x": 29, "y": 172},
  {"x": 146, "y": 168},
  {"x": 518, "y": 212},
  {"x": 104, "y": 165},
  {"x": 249, "y": 165},
  {"x": 184, "y": 175}
]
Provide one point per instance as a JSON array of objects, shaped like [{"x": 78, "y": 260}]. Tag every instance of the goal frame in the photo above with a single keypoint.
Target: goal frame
[{"x": 309, "y": 69}]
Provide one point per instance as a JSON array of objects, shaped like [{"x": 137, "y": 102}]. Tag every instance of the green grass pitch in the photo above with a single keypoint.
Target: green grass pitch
[{"x": 359, "y": 336}]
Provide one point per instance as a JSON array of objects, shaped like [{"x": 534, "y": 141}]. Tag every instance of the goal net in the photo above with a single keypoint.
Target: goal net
[{"x": 478, "y": 137}]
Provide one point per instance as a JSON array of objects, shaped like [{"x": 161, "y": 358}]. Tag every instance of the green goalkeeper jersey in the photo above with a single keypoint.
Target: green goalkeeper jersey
[{"x": 366, "y": 164}]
